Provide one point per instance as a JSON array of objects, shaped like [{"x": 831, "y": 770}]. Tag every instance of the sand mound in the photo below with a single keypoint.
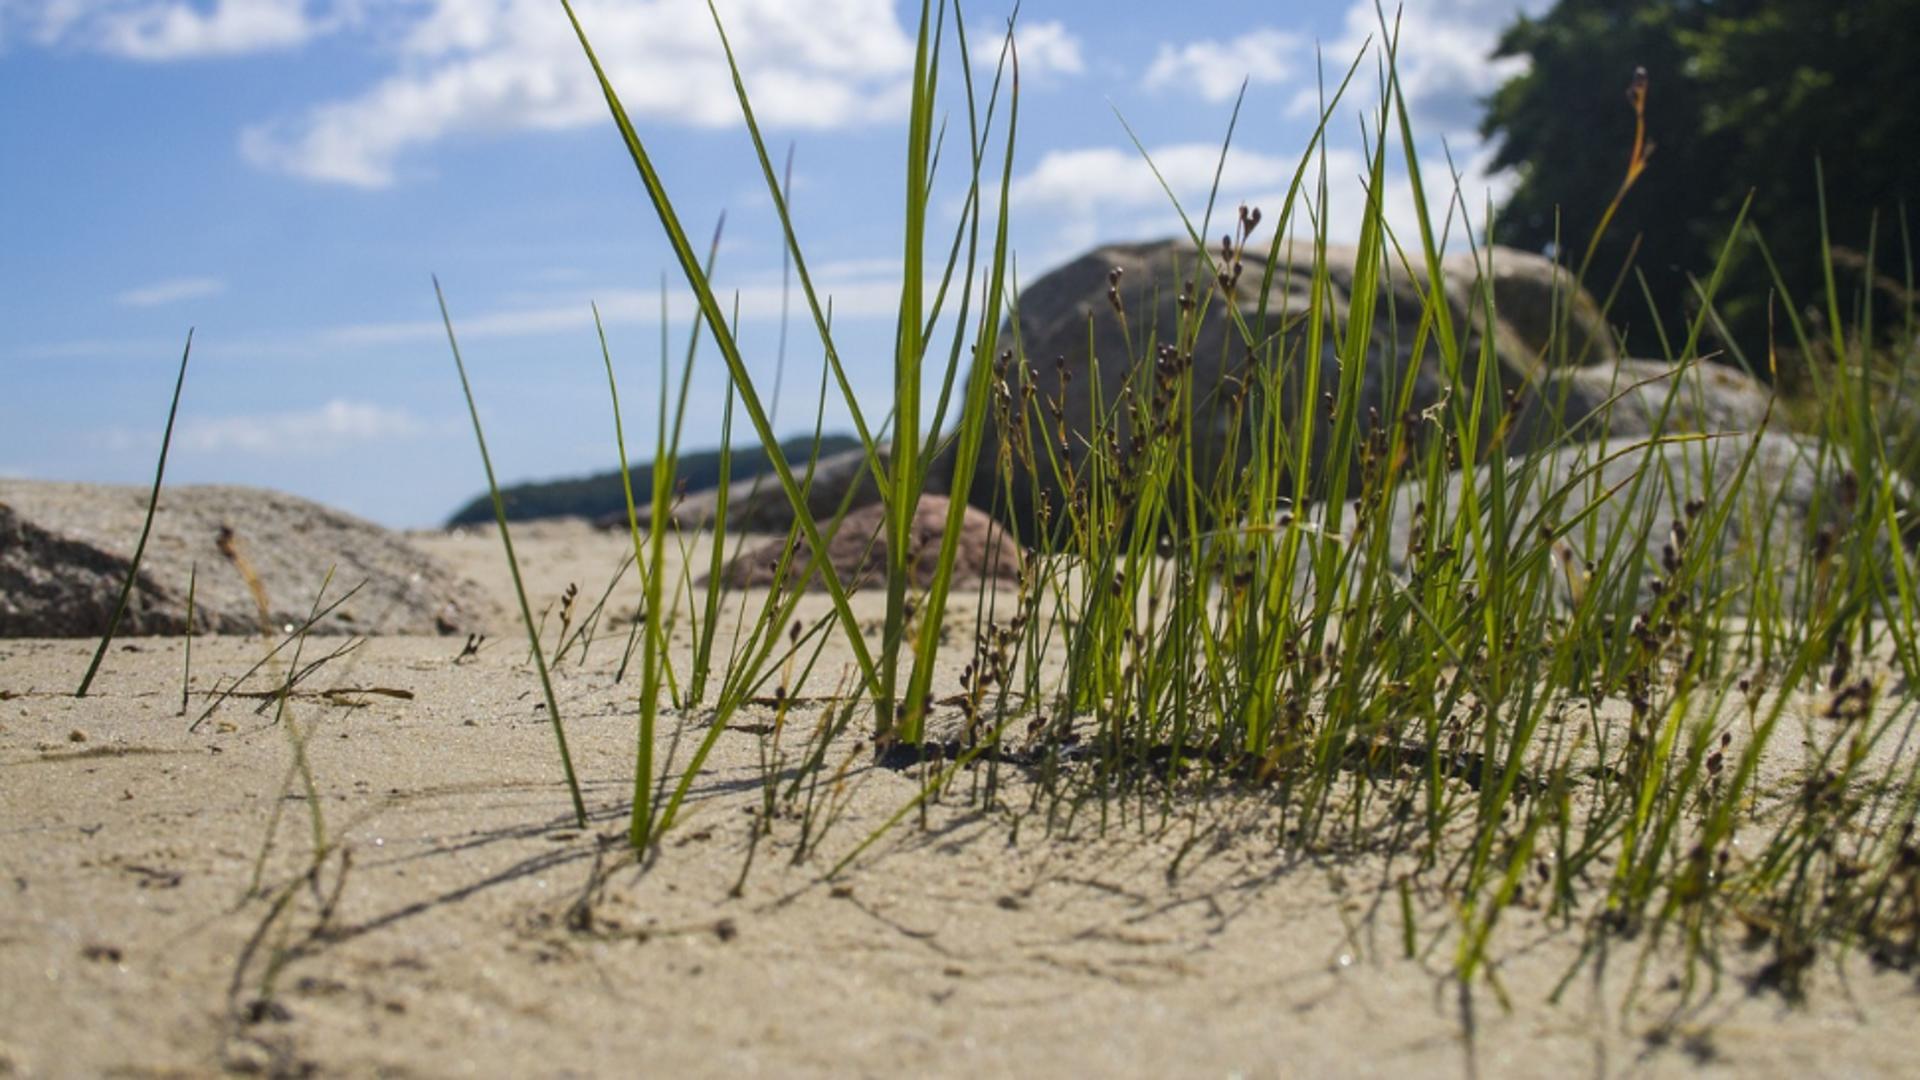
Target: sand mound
[{"x": 64, "y": 551}]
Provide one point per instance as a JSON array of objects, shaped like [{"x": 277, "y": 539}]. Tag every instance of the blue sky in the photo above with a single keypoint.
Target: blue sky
[{"x": 284, "y": 176}]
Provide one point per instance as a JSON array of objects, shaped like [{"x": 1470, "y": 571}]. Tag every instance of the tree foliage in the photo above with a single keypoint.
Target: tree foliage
[
  {"x": 603, "y": 495},
  {"x": 1746, "y": 96}
]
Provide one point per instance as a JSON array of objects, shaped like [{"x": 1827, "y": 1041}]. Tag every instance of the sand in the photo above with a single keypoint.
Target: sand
[{"x": 460, "y": 924}]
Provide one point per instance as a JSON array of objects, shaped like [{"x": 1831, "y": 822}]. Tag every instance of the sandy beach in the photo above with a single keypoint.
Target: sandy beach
[{"x": 459, "y": 923}]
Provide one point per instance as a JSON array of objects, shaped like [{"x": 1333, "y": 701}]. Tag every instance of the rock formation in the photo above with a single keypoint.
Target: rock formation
[
  {"x": 1776, "y": 505},
  {"x": 1101, "y": 334},
  {"x": 64, "y": 551},
  {"x": 858, "y": 550}
]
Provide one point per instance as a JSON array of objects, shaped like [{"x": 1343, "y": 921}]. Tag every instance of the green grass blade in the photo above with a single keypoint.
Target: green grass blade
[
  {"x": 973, "y": 416},
  {"x": 716, "y": 324},
  {"x": 146, "y": 528},
  {"x": 513, "y": 564}
]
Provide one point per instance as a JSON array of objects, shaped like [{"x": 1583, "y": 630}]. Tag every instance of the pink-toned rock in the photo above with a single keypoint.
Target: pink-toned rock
[{"x": 858, "y": 551}]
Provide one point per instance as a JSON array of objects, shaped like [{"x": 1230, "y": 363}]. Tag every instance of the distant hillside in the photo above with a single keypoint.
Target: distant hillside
[{"x": 601, "y": 494}]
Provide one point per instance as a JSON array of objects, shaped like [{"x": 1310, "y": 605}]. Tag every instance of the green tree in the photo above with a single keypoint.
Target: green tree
[
  {"x": 1745, "y": 96},
  {"x": 604, "y": 495}
]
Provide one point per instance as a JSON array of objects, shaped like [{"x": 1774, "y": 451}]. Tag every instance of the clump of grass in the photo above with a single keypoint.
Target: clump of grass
[
  {"x": 297, "y": 765},
  {"x": 1545, "y": 676},
  {"x": 294, "y": 634}
]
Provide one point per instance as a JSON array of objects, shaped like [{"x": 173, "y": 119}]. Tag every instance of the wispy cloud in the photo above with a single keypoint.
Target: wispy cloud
[
  {"x": 858, "y": 288},
  {"x": 1094, "y": 195},
  {"x": 337, "y": 424},
  {"x": 1106, "y": 193},
  {"x": 1215, "y": 69},
  {"x": 163, "y": 30},
  {"x": 499, "y": 66},
  {"x": 1458, "y": 214},
  {"x": 1045, "y": 48},
  {"x": 862, "y": 297},
  {"x": 1098, "y": 178},
  {"x": 1443, "y": 57},
  {"x": 171, "y": 291}
]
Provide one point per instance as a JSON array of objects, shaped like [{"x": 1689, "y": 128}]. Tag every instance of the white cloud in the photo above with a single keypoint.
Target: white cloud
[
  {"x": 1215, "y": 69},
  {"x": 858, "y": 288},
  {"x": 334, "y": 425},
  {"x": 1045, "y": 48},
  {"x": 1096, "y": 195},
  {"x": 171, "y": 291},
  {"x": 159, "y": 30},
  {"x": 496, "y": 66},
  {"x": 1098, "y": 179},
  {"x": 1443, "y": 57},
  {"x": 870, "y": 294},
  {"x": 1347, "y": 199},
  {"x": 1102, "y": 194}
]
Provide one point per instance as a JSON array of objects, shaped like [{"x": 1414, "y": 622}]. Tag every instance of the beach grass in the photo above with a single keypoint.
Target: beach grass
[
  {"x": 1673, "y": 722},
  {"x": 146, "y": 528},
  {"x": 519, "y": 588}
]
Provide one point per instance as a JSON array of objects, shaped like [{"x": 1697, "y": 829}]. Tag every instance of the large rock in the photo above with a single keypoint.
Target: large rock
[
  {"x": 1542, "y": 319},
  {"x": 1087, "y": 356},
  {"x": 1637, "y": 398},
  {"x": 1102, "y": 335},
  {"x": 858, "y": 550},
  {"x": 1553, "y": 352},
  {"x": 64, "y": 551},
  {"x": 1776, "y": 508}
]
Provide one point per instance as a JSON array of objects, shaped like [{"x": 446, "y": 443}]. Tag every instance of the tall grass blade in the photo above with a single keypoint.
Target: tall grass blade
[
  {"x": 186, "y": 665},
  {"x": 146, "y": 528},
  {"x": 513, "y": 565},
  {"x": 973, "y": 418},
  {"x": 729, "y": 350}
]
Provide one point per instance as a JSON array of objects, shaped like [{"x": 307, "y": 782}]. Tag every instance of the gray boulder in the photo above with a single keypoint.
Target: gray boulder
[
  {"x": 1637, "y": 398},
  {"x": 1085, "y": 354},
  {"x": 1790, "y": 492},
  {"x": 1542, "y": 320},
  {"x": 65, "y": 548},
  {"x": 1096, "y": 336}
]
